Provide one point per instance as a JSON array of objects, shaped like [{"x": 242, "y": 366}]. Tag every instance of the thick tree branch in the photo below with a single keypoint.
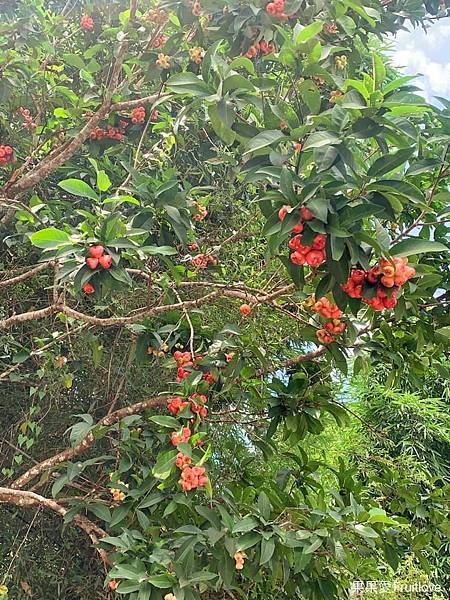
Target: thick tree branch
[
  {"x": 26, "y": 275},
  {"x": 143, "y": 313},
  {"x": 24, "y": 499},
  {"x": 88, "y": 441}
]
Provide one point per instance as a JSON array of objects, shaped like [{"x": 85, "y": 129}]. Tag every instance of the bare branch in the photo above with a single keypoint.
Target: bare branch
[{"x": 26, "y": 275}]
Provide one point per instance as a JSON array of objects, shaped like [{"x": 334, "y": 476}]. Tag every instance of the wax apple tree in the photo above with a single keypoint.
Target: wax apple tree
[{"x": 242, "y": 202}]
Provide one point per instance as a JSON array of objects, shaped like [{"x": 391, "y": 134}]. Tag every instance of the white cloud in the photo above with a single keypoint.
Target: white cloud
[{"x": 427, "y": 53}]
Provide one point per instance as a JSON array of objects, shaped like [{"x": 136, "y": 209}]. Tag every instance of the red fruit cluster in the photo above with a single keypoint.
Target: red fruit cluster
[
  {"x": 87, "y": 23},
  {"x": 28, "y": 120},
  {"x": 97, "y": 257},
  {"x": 192, "y": 247},
  {"x": 386, "y": 276},
  {"x": 276, "y": 9},
  {"x": 159, "y": 41},
  {"x": 182, "y": 460},
  {"x": 192, "y": 478},
  {"x": 332, "y": 327},
  {"x": 327, "y": 310},
  {"x": 176, "y": 405},
  {"x": 182, "y": 436},
  {"x": 138, "y": 115},
  {"x": 201, "y": 213},
  {"x": 263, "y": 46},
  {"x": 330, "y": 27},
  {"x": 313, "y": 255},
  {"x": 157, "y": 15},
  {"x": 6, "y": 155},
  {"x": 154, "y": 115},
  {"x": 209, "y": 378},
  {"x": 184, "y": 359},
  {"x": 196, "y": 8},
  {"x": 196, "y": 403},
  {"x": 201, "y": 261},
  {"x": 305, "y": 213},
  {"x": 112, "y": 133}
]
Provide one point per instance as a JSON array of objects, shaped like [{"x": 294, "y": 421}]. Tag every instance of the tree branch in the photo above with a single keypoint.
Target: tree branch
[
  {"x": 26, "y": 275},
  {"x": 87, "y": 442},
  {"x": 30, "y": 499}
]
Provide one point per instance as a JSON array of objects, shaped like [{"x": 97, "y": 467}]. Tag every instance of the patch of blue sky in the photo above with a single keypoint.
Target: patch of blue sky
[{"x": 426, "y": 53}]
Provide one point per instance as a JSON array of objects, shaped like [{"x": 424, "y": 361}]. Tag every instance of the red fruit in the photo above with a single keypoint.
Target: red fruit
[
  {"x": 357, "y": 276},
  {"x": 388, "y": 281},
  {"x": 92, "y": 263},
  {"x": 96, "y": 251},
  {"x": 245, "y": 310},
  {"x": 88, "y": 288},
  {"x": 297, "y": 258},
  {"x": 319, "y": 242},
  {"x": 306, "y": 214},
  {"x": 105, "y": 261},
  {"x": 87, "y": 22},
  {"x": 299, "y": 147},
  {"x": 315, "y": 258},
  {"x": 283, "y": 212},
  {"x": 298, "y": 228}
]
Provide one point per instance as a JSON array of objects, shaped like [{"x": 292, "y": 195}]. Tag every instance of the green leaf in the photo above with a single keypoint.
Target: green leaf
[
  {"x": 78, "y": 187},
  {"x": 313, "y": 547},
  {"x": 264, "y": 505},
  {"x": 163, "y": 250},
  {"x": 379, "y": 71},
  {"x": 164, "y": 464},
  {"x": 266, "y": 138},
  {"x": 267, "y": 550},
  {"x": 126, "y": 587},
  {"x": 319, "y": 208},
  {"x": 413, "y": 246},
  {"x": 161, "y": 581},
  {"x": 308, "y": 32},
  {"x": 101, "y": 511},
  {"x": 242, "y": 61},
  {"x": 200, "y": 576},
  {"x": 103, "y": 181},
  {"x": 50, "y": 238},
  {"x": 74, "y": 60},
  {"x": 236, "y": 82},
  {"x": 310, "y": 93},
  {"x": 222, "y": 117},
  {"x": 339, "y": 358},
  {"x": 378, "y": 515},
  {"x": 188, "y": 84},
  {"x": 366, "y": 531},
  {"x": 245, "y": 524},
  {"x": 248, "y": 540},
  {"x": 389, "y": 162},
  {"x": 166, "y": 421},
  {"x": 320, "y": 139}
]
